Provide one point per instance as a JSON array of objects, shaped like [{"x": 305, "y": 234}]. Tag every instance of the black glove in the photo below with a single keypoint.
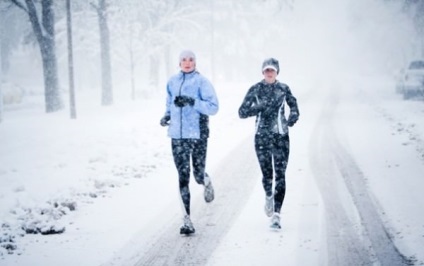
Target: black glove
[
  {"x": 165, "y": 120},
  {"x": 181, "y": 101},
  {"x": 292, "y": 119}
]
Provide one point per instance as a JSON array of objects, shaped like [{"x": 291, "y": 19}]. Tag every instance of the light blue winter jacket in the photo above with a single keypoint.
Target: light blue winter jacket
[{"x": 190, "y": 122}]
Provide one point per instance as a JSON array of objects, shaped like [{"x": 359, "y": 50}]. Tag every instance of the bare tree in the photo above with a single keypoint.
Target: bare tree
[
  {"x": 45, "y": 34},
  {"x": 1, "y": 81},
  {"x": 145, "y": 33},
  {"x": 1, "y": 66},
  {"x": 107, "y": 95},
  {"x": 70, "y": 61}
]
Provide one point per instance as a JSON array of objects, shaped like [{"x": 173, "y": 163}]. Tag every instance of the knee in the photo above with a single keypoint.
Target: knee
[
  {"x": 183, "y": 182},
  {"x": 280, "y": 184},
  {"x": 198, "y": 179}
]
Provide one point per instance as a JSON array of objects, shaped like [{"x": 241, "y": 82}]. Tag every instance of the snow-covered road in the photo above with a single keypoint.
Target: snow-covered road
[
  {"x": 331, "y": 216},
  {"x": 355, "y": 232},
  {"x": 353, "y": 185},
  {"x": 234, "y": 187}
]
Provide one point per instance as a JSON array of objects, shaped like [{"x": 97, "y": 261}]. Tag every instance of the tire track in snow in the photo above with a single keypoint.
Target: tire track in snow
[
  {"x": 355, "y": 231},
  {"x": 213, "y": 221},
  {"x": 384, "y": 249},
  {"x": 342, "y": 236}
]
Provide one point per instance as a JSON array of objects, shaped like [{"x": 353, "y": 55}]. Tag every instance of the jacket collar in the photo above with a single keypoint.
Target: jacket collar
[{"x": 188, "y": 75}]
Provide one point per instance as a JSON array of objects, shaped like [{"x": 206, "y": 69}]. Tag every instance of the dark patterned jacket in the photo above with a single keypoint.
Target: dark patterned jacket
[{"x": 267, "y": 103}]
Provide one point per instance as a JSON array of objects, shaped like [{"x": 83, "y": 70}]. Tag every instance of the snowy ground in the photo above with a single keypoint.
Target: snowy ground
[{"x": 109, "y": 181}]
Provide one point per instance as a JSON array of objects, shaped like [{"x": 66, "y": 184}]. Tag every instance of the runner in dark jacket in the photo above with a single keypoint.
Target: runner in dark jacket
[{"x": 266, "y": 100}]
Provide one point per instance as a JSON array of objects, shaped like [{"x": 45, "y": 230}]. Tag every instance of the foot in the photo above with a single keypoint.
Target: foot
[
  {"x": 269, "y": 205},
  {"x": 187, "y": 228},
  {"x": 275, "y": 221},
  {"x": 209, "y": 192}
]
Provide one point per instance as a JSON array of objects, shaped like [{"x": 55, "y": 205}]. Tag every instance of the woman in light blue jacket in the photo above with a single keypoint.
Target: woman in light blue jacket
[{"x": 190, "y": 100}]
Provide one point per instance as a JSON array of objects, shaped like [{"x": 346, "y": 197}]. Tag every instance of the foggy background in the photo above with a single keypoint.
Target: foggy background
[
  {"x": 313, "y": 40},
  {"x": 98, "y": 176}
]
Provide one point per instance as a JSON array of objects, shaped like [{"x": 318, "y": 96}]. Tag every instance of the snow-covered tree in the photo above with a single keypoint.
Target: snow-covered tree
[
  {"x": 107, "y": 95},
  {"x": 72, "y": 104},
  {"x": 45, "y": 33},
  {"x": 1, "y": 81},
  {"x": 1, "y": 64}
]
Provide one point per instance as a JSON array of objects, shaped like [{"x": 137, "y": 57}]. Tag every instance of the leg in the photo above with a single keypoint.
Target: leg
[
  {"x": 199, "y": 162},
  {"x": 263, "y": 153},
  {"x": 199, "y": 159},
  {"x": 281, "y": 156},
  {"x": 181, "y": 152}
]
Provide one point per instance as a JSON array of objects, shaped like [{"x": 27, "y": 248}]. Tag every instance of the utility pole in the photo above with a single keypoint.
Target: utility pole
[
  {"x": 1, "y": 91},
  {"x": 1, "y": 74},
  {"x": 70, "y": 62},
  {"x": 213, "y": 40}
]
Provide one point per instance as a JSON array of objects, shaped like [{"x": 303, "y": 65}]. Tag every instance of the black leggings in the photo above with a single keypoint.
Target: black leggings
[
  {"x": 182, "y": 149},
  {"x": 273, "y": 148}
]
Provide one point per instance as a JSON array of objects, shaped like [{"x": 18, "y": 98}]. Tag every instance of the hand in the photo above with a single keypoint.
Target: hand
[
  {"x": 292, "y": 119},
  {"x": 165, "y": 121},
  {"x": 181, "y": 101}
]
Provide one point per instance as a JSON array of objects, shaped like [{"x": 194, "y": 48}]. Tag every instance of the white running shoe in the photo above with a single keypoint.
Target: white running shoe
[
  {"x": 209, "y": 192},
  {"x": 275, "y": 221},
  {"x": 269, "y": 205},
  {"x": 187, "y": 228}
]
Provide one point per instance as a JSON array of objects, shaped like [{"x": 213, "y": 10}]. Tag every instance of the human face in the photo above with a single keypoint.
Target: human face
[
  {"x": 187, "y": 64},
  {"x": 270, "y": 75}
]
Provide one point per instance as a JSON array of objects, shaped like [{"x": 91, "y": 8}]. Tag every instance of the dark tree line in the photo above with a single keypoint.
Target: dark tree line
[{"x": 152, "y": 29}]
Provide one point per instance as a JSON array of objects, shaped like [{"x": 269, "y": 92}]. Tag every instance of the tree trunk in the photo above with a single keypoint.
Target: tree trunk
[
  {"x": 73, "y": 110},
  {"x": 46, "y": 41},
  {"x": 51, "y": 83},
  {"x": 1, "y": 68},
  {"x": 107, "y": 96},
  {"x": 168, "y": 61},
  {"x": 154, "y": 70},
  {"x": 132, "y": 66},
  {"x": 1, "y": 81},
  {"x": 4, "y": 43}
]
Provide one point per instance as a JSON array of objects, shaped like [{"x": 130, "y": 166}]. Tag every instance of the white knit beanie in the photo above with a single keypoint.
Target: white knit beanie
[{"x": 187, "y": 54}]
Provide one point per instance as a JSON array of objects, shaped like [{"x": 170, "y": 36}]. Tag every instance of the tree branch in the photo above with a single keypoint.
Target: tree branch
[
  {"x": 93, "y": 5},
  {"x": 20, "y": 5}
]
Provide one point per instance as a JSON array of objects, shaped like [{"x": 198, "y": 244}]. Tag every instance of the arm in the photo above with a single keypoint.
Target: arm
[
  {"x": 167, "y": 116},
  {"x": 208, "y": 103},
  {"x": 168, "y": 100},
  {"x": 249, "y": 106},
  {"x": 294, "y": 109}
]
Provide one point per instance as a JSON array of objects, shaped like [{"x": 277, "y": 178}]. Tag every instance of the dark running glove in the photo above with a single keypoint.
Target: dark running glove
[
  {"x": 292, "y": 119},
  {"x": 165, "y": 120},
  {"x": 181, "y": 101}
]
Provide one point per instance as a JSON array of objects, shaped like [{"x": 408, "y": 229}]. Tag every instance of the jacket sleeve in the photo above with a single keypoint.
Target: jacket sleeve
[
  {"x": 168, "y": 100},
  {"x": 208, "y": 103},
  {"x": 249, "y": 106},
  {"x": 292, "y": 103}
]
